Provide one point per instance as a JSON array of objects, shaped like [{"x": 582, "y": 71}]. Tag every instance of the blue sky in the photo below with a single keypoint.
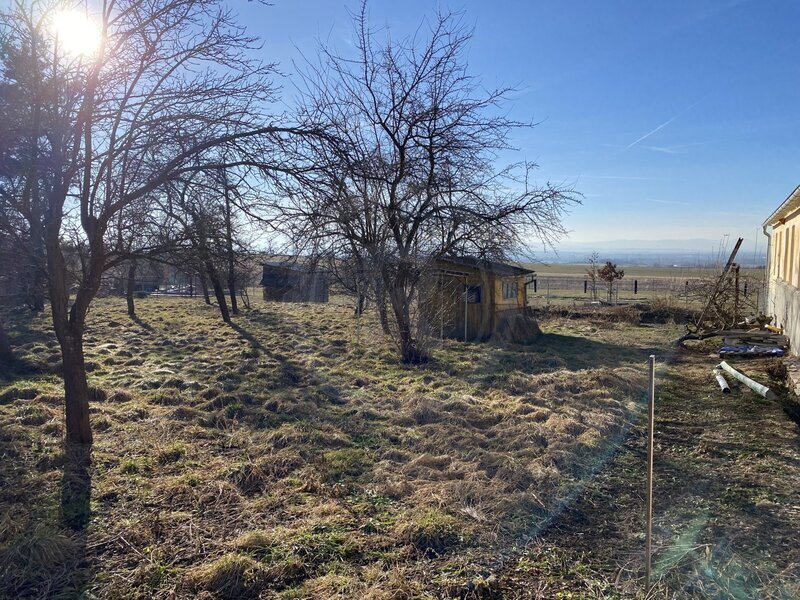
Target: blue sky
[{"x": 676, "y": 119}]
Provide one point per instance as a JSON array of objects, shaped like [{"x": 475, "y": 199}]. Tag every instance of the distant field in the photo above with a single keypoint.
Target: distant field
[
  {"x": 564, "y": 283},
  {"x": 633, "y": 272}
]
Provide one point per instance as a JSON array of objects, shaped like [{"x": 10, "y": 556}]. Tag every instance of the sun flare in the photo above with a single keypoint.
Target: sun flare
[{"x": 77, "y": 34}]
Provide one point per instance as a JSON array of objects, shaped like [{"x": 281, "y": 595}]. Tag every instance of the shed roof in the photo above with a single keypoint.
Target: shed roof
[
  {"x": 294, "y": 265},
  {"x": 483, "y": 264},
  {"x": 789, "y": 205}
]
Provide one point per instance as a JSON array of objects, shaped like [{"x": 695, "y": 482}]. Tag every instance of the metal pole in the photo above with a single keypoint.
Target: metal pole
[{"x": 651, "y": 403}]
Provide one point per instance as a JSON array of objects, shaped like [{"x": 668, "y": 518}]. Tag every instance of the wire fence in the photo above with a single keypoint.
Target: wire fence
[{"x": 570, "y": 289}]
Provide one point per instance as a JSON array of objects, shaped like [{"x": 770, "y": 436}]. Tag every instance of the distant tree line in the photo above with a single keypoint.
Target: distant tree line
[{"x": 162, "y": 146}]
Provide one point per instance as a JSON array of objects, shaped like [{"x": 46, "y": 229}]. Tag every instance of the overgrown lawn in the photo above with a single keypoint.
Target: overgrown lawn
[{"x": 292, "y": 456}]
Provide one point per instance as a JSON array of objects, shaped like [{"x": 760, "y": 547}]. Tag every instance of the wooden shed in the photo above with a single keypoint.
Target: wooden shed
[
  {"x": 294, "y": 282},
  {"x": 477, "y": 299}
]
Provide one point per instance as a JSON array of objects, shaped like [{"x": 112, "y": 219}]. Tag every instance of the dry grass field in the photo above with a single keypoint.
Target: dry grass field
[{"x": 291, "y": 456}]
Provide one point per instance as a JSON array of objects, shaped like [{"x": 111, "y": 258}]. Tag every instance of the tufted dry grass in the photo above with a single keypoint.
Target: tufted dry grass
[{"x": 291, "y": 456}]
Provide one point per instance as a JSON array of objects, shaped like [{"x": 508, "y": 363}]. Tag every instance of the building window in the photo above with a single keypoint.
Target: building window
[
  {"x": 473, "y": 293},
  {"x": 510, "y": 291}
]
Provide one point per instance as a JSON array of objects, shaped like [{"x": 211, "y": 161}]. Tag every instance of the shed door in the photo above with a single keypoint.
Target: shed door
[{"x": 474, "y": 310}]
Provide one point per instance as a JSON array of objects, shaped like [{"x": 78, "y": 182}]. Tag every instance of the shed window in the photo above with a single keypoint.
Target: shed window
[
  {"x": 473, "y": 293},
  {"x": 510, "y": 291}
]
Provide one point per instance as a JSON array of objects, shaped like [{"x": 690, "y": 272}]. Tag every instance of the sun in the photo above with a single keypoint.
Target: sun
[{"x": 77, "y": 33}]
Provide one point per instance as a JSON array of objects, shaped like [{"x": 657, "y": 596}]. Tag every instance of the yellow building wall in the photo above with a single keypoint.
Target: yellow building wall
[
  {"x": 785, "y": 255},
  {"x": 784, "y": 278},
  {"x": 517, "y": 302}
]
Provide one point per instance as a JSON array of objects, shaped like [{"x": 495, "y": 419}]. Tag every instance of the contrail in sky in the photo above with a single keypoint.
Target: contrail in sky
[{"x": 660, "y": 127}]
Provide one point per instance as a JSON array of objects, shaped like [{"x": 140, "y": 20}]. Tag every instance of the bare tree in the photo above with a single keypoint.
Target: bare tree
[
  {"x": 169, "y": 90},
  {"x": 610, "y": 273},
  {"x": 407, "y": 171},
  {"x": 591, "y": 272}
]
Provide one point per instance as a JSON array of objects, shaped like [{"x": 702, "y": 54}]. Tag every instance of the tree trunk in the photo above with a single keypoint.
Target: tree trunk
[
  {"x": 384, "y": 316},
  {"x": 76, "y": 388},
  {"x": 232, "y": 292},
  {"x": 361, "y": 304},
  {"x": 68, "y": 324},
  {"x": 380, "y": 301},
  {"x": 229, "y": 247},
  {"x": 6, "y": 355},
  {"x": 204, "y": 287},
  {"x": 129, "y": 289},
  {"x": 219, "y": 292},
  {"x": 410, "y": 351}
]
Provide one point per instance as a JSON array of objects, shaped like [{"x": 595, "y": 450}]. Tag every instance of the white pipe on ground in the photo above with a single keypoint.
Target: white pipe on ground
[
  {"x": 762, "y": 390},
  {"x": 723, "y": 385}
]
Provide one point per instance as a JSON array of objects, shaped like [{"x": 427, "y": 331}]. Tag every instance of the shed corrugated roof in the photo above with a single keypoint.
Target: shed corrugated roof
[{"x": 483, "y": 264}]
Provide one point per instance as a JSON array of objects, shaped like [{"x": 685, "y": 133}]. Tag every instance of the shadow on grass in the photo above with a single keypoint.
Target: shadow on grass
[
  {"x": 43, "y": 550},
  {"x": 76, "y": 487},
  {"x": 143, "y": 324},
  {"x": 252, "y": 339}
]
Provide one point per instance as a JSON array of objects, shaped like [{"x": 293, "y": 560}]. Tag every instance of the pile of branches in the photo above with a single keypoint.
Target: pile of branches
[{"x": 725, "y": 306}]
